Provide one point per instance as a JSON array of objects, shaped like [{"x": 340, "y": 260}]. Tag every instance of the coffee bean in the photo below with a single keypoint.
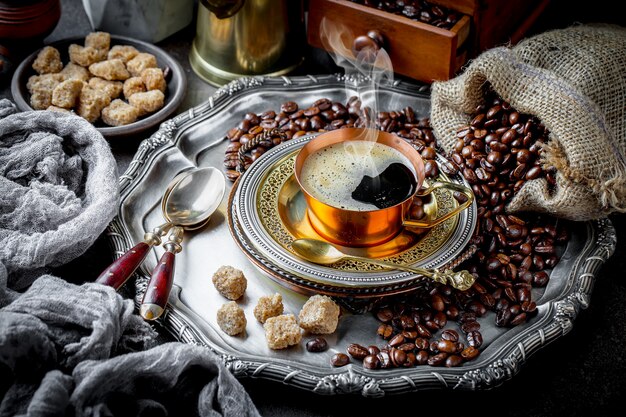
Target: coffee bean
[
  {"x": 450, "y": 335},
  {"x": 452, "y": 312},
  {"x": 440, "y": 319},
  {"x": 269, "y": 114},
  {"x": 431, "y": 325},
  {"x": 357, "y": 351},
  {"x": 410, "y": 361},
  {"x": 529, "y": 306},
  {"x": 470, "y": 353},
  {"x": 384, "y": 315},
  {"x": 318, "y": 344},
  {"x": 503, "y": 317},
  {"x": 509, "y": 136},
  {"x": 519, "y": 319},
  {"x": 421, "y": 343},
  {"x": 384, "y": 359},
  {"x": 409, "y": 334},
  {"x": 268, "y": 124},
  {"x": 477, "y": 308},
  {"x": 423, "y": 331},
  {"x": 540, "y": 279},
  {"x": 437, "y": 302},
  {"x": 437, "y": 359},
  {"x": 373, "y": 350},
  {"x": 494, "y": 112},
  {"x": 446, "y": 346},
  {"x": 453, "y": 361},
  {"x": 421, "y": 357},
  {"x": 339, "y": 359},
  {"x": 396, "y": 340},
  {"x": 289, "y": 107},
  {"x": 398, "y": 357},
  {"x": 385, "y": 331},
  {"x": 407, "y": 347},
  {"x": 470, "y": 326},
  {"x": 371, "y": 362},
  {"x": 475, "y": 339},
  {"x": 232, "y": 174}
]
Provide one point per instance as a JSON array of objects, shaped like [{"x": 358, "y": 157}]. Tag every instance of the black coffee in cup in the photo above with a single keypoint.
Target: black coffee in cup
[
  {"x": 359, "y": 175},
  {"x": 392, "y": 186}
]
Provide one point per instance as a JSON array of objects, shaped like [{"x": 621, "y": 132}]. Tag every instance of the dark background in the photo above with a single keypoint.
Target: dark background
[{"x": 580, "y": 374}]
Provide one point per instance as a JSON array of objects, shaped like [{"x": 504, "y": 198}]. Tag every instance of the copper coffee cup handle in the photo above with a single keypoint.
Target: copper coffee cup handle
[{"x": 426, "y": 191}]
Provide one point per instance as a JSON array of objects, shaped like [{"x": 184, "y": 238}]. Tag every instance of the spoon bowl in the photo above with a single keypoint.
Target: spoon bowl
[
  {"x": 194, "y": 198},
  {"x": 323, "y": 253}
]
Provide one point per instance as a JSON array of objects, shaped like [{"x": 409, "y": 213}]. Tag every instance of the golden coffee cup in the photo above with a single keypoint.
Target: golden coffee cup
[{"x": 358, "y": 228}]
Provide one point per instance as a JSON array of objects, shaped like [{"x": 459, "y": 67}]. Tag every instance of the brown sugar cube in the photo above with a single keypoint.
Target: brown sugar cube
[
  {"x": 48, "y": 61},
  {"x": 231, "y": 318},
  {"x": 123, "y": 52},
  {"x": 268, "y": 306},
  {"x": 119, "y": 113},
  {"x": 41, "y": 88},
  {"x": 59, "y": 109},
  {"x": 83, "y": 55},
  {"x": 47, "y": 81},
  {"x": 147, "y": 102},
  {"x": 91, "y": 102},
  {"x": 32, "y": 81},
  {"x": 98, "y": 40},
  {"x": 319, "y": 315},
  {"x": 229, "y": 281},
  {"x": 112, "y": 88},
  {"x": 112, "y": 69},
  {"x": 76, "y": 72},
  {"x": 282, "y": 331},
  {"x": 140, "y": 62},
  {"x": 66, "y": 93},
  {"x": 153, "y": 79},
  {"x": 133, "y": 85},
  {"x": 40, "y": 100}
]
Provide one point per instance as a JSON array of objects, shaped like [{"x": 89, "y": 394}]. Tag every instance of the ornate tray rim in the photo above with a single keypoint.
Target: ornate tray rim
[{"x": 181, "y": 322}]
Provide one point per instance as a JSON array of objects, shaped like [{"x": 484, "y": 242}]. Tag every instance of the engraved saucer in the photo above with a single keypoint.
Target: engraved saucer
[{"x": 267, "y": 213}]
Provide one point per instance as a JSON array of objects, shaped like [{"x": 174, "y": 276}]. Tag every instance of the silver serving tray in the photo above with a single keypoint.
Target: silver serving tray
[{"x": 196, "y": 138}]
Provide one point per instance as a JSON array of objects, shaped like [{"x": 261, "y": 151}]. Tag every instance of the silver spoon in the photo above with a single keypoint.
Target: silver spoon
[
  {"x": 189, "y": 206},
  {"x": 321, "y": 252},
  {"x": 116, "y": 274}
]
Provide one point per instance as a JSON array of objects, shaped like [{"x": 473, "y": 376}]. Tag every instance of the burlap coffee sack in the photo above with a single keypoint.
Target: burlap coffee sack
[{"x": 574, "y": 81}]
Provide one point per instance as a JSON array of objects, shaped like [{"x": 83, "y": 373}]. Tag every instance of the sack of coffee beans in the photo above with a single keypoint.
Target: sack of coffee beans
[{"x": 573, "y": 81}]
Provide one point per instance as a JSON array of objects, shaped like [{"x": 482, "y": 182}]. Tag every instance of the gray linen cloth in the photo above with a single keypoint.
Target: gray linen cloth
[
  {"x": 81, "y": 350},
  {"x": 58, "y": 188}
]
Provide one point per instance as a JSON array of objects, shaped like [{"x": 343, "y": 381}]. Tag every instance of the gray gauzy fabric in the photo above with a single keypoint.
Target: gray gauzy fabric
[
  {"x": 81, "y": 351},
  {"x": 70, "y": 350},
  {"x": 58, "y": 190}
]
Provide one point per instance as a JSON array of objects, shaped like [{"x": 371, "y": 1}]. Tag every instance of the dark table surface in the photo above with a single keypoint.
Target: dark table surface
[{"x": 580, "y": 374}]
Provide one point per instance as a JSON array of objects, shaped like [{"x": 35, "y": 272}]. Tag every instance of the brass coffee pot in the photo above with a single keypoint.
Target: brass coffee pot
[{"x": 236, "y": 38}]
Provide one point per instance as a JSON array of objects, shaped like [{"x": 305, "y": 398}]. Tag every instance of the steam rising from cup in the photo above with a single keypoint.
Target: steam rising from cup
[{"x": 370, "y": 62}]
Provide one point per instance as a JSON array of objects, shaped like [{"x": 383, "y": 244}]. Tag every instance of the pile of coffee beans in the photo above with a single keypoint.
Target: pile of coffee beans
[
  {"x": 419, "y": 10},
  {"x": 496, "y": 153},
  {"x": 441, "y": 327},
  {"x": 325, "y": 115}
]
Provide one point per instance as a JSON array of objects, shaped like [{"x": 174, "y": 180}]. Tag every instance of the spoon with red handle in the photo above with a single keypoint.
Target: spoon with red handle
[
  {"x": 189, "y": 206},
  {"x": 116, "y": 274}
]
